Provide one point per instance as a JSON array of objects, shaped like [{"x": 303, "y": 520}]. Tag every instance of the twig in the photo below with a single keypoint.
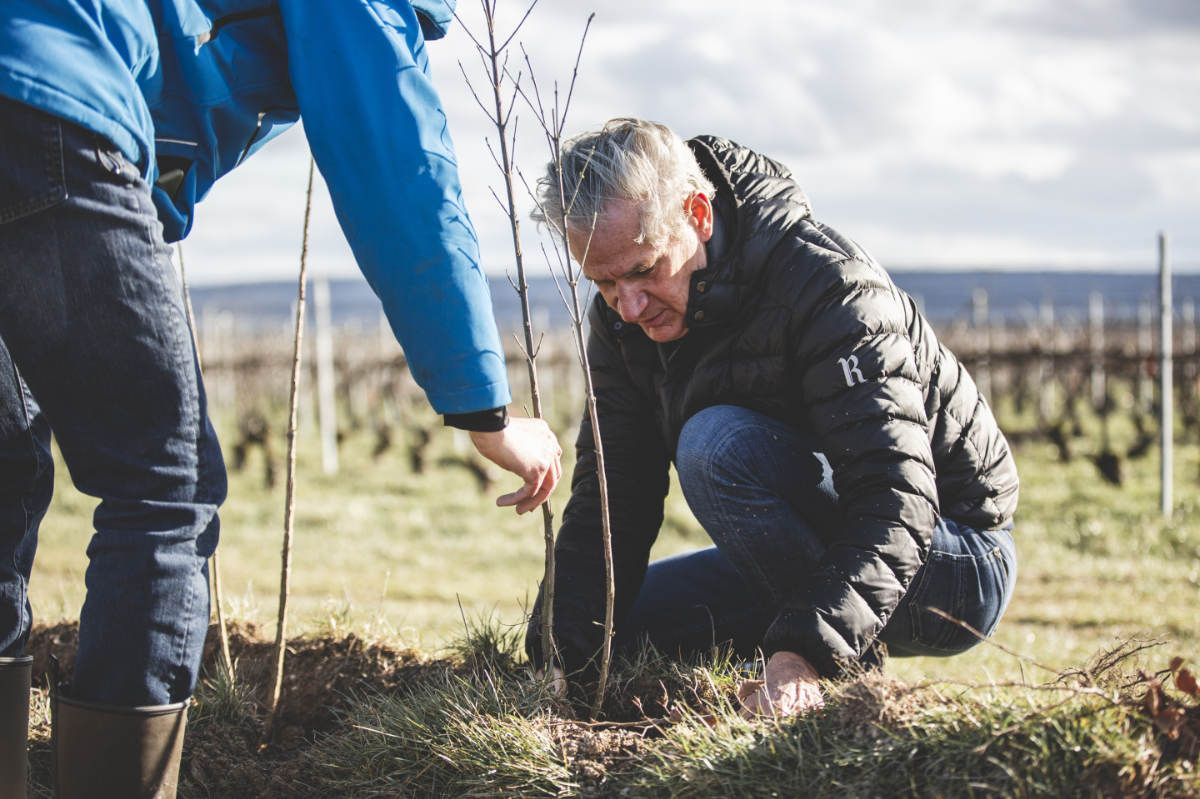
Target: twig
[
  {"x": 214, "y": 565},
  {"x": 610, "y": 588},
  {"x": 553, "y": 130},
  {"x": 289, "y": 511},
  {"x": 491, "y": 54},
  {"x": 1023, "y": 658}
]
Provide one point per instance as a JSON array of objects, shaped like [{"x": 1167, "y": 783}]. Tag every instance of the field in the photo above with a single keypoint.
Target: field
[{"x": 409, "y": 591}]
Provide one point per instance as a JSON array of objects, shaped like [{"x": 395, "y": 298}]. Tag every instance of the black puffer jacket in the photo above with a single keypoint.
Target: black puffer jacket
[{"x": 795, "y": 321}]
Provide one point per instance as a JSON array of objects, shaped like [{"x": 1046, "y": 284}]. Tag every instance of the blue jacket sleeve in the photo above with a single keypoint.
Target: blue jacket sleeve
[{"x": 380, "y": 138}]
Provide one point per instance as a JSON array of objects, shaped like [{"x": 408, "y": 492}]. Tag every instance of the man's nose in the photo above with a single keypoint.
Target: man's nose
[{"x": 630, "y": 303}]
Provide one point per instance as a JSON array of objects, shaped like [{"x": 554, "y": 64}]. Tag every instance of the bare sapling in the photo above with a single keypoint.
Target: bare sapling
[
  {"x": 494, "y": 57},
  {"x": 289, "y": 509},
  {"x": 552, "y": 118},
  {"x": 214, "y": 565}
]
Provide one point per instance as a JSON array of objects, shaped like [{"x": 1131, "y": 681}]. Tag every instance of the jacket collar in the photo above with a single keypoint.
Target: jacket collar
[{"x": 756, "y": 202}]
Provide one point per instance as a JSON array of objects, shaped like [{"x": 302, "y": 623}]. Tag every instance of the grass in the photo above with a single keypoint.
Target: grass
[
  {"x": 410, "y": 589},
  {"x": 491, "y": 731}
]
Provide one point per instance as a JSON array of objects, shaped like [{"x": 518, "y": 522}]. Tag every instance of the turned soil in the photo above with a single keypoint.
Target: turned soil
[{"x": 226, "y": 754}]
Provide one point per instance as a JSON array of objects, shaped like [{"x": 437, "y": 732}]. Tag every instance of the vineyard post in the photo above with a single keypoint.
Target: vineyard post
[
  {"x": 1188, "y": 344},
  {"x": 1187, "y": 338},
  {"x": 1096, "y": 325},
  {"x": 326, "y": 395},
  {"x": 1165, "y": 369},
  {"x": 981, "y": 321},
  {"x": 1047, "y": 344}
]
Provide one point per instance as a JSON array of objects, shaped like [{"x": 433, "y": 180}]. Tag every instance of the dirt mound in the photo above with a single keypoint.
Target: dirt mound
[{"x": 224, "y": 751}]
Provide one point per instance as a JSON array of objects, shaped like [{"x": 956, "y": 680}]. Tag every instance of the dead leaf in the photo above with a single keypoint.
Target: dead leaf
[{"x": 1186, "y": 682}]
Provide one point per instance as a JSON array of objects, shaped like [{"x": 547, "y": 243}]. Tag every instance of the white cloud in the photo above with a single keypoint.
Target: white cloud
[{"x": 998, "y": 131}]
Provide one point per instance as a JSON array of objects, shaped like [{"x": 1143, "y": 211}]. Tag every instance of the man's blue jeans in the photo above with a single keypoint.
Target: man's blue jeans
[
  {"x": 766, "y": 499},
  {"x": 95, "y": 346}
]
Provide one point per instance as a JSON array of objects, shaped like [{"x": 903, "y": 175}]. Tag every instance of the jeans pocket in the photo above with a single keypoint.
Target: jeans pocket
[
  {"x": 31, "y": 161},
  {"x": 941, "y": 601}
]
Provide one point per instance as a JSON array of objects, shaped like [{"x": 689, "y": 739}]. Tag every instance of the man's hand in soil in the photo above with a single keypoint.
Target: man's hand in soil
[
  {"x": 788, "y": 688},
  {"x": 528, "y": 449}
]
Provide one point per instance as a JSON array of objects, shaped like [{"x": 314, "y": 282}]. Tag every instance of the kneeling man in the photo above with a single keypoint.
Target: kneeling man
[{"x": 852, "y": 478}]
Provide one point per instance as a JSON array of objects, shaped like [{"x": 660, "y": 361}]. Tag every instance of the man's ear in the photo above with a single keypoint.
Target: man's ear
[{"x": 699, "y": 211}]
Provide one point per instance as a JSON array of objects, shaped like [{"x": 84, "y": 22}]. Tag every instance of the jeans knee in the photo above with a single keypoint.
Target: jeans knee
[{"x": 704, "y": 443}]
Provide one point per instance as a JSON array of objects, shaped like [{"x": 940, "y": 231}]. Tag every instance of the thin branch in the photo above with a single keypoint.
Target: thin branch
[
  {"x": 214, "y": 563},
  {"x": 499, "y": 202},
  {"x": 462, "y": 25},
  {"x": 558, "y": 257},
  {"x": 513, "y": 141},
  {"x": 483, "y": 62},
  {"x": 491, "y": 57},
  {"x": 575, "y": 72},
  {"x": 985, "y": 639},
  {"x": 521, "y": 346},
  {"x": 289, "y": 512},
  {"x": 495, "y": 158},
  {"x": 555, "y": 143},
  {"x": 475, "y": 94},
  {"x": 558, "y": 286},
  {"x": 539, "y": 111},
  {"x": 504, "y": 44}
]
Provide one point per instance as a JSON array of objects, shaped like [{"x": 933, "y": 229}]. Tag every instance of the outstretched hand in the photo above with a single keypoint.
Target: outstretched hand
[
  {"x": 528, "y": 449},
  {"x": 789, "y": 688}
]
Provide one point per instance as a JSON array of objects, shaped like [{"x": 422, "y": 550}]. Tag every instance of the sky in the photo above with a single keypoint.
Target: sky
[{"x": 991, "y": 134}]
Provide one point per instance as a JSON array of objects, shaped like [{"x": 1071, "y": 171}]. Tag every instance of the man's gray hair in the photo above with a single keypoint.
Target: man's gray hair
[{"x": 631, "y": 159}]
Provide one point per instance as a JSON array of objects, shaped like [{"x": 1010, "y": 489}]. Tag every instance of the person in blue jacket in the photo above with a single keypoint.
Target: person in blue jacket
[{"x": 116, "y": 118}]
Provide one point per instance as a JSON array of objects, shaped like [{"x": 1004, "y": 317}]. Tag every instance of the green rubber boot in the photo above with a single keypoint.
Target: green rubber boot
[{"x": 14, "y": 725}]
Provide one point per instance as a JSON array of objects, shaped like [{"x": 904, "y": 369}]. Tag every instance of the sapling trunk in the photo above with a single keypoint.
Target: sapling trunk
[
  {"x": 610, "y": 587},
  {"x": 289, "y": 511},
  {"x": 214, "y": 564},
  {"x": 553, "y": 122},
  {"x": 493, "y": 55}
]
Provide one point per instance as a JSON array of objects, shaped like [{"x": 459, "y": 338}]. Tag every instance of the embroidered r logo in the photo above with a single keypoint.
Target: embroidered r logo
[{"x": 851, "y": 371}]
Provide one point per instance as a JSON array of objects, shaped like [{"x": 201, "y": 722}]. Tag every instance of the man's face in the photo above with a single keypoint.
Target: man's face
[{"x": 646, "y": 285}]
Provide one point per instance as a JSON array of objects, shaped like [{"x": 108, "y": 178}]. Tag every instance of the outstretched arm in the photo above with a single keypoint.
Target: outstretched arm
[{"x": 379, "y": 135}]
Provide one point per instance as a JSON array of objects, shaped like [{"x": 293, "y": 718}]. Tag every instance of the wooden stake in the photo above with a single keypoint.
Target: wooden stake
[
  {"x": 1166, "y": 367},
  {"x": 326, "y": 399},
  {"x": 1096, "y": 324},
  {"x": 289, "y": 510},
  {"x": 981, "y": 321}
]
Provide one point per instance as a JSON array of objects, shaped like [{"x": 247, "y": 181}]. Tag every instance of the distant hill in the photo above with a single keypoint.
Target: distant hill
[{"x": 945, "y": 296}]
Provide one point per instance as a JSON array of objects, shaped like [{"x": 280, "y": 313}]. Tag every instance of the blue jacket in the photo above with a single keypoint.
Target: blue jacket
[{"x": 188, "y": 89}]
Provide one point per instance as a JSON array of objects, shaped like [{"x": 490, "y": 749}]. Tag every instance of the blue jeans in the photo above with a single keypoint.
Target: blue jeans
[
  {"x": 94, "y": 346},
  {"x": 767, "y": 501}
]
